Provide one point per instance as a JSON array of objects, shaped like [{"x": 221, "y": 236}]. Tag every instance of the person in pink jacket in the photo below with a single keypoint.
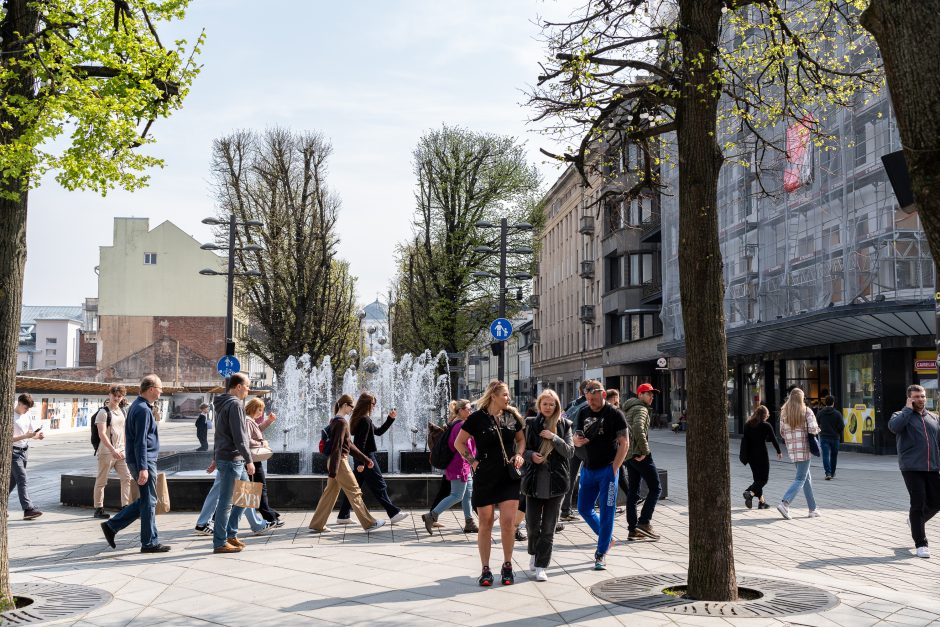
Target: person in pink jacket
[{"x": 458, "y": 472}]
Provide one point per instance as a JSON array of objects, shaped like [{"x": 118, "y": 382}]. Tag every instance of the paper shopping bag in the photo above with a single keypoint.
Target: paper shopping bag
[
  {"x": 163, "y": 494},
  {"x": 246, "y": 494}
]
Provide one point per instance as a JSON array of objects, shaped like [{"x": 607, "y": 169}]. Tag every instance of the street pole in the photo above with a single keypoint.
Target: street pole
[
  {"x": 503, "y": 232},
  {"x": 230, "y": 313}
]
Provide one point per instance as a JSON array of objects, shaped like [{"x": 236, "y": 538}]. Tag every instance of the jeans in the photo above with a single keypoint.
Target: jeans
[
  {"x": 227, "y": 515},
  {"x": 541, "y": 516},
  {"x": 144, "y": 508},
  {"x": 830, "y": 453},
  {"x": 459, "y": 491},
  {"x": 924, "y": 488},
  {"x": 803, "y": 479},
  {"x": 641, "y": 470},
  {"x": 376, "y": 482},
  {"x": 18, "y": 478},
  {"x": 603, "y": 482},
  {"x": 255, "y": 521},
  {"x": 574, "y": 471}
]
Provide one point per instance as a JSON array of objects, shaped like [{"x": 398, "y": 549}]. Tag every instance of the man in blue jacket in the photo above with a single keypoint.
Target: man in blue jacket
[
  {"x": 919, "y": 459},
  {"x": 142, "y": 444}
]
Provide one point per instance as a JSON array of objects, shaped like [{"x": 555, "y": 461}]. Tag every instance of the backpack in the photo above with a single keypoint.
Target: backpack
[
  {"x": 441, "y": 454},
  {"x": 326, "y": 443},
  {"x": 95, "y": 437}
]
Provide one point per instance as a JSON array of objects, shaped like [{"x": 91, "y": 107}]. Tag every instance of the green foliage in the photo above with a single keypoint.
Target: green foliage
[{"x": 81, "y": 88}]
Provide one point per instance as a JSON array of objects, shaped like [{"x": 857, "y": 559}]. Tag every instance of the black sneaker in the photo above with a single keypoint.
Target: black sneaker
[
  {"x": 486, "y": 577},
  {"x": 278, "y": 523},
  {"x": 108, "y": 534},
  {"x": 633, "y": 534},
  {"x": 31, "y": 514},
  {"x": 763, "y": 505},
  {"x": 204, "y": 530},
  {"x": 100, "y": 513},
  {"x": 559, "y": 527},
  {"x": 749, "y": 499},
  {"x": 506, "y": 576},
  {"x": 521, "y": 535},
  {"x": 156, "y": 548}
]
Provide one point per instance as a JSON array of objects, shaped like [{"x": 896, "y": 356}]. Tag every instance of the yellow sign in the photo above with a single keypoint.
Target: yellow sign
[
  {"x": 925, "y": 362},
  {"x": 859, "y": 419}
]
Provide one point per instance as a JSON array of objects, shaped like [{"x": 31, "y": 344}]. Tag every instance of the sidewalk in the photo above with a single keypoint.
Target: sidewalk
[{"x": 859, "y": 550}]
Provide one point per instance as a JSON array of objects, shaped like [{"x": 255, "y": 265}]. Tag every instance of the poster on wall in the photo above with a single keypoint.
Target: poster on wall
[
  {"x": 799, "y": 168},
  {"x": 858, "y": 420}
]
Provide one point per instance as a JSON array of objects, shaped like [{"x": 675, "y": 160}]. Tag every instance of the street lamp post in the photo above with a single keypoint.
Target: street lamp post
[{"x": 231, "y": 273}]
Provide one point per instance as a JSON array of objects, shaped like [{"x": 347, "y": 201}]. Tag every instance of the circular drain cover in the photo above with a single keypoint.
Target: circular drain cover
[
  {"x": 779, "y": 598},
  {"x": 53, "y": 601}
]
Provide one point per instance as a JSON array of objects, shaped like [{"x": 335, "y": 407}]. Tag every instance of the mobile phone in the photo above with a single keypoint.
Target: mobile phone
[
  {"x": 37, "y": 429},
  {"x": 579, "y": 433}
]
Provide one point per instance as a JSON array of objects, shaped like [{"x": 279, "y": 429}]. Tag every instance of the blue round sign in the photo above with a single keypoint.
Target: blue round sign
[
  {"x": 501, "y": 329},
  {"x": 229, "y": 365}
]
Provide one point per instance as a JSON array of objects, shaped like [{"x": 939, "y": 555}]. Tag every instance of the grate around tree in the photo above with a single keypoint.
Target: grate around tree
[{"x": 40, "y": 602}]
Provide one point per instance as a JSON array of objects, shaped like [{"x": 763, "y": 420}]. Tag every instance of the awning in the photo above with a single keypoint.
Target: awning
[
  {"x": 833, "y": 325},
  {"x": 65, "y": 386}
]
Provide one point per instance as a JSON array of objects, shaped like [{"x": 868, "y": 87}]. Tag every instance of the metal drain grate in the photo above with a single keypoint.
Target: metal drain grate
[
  {"x": 780, "y": 598},
  {"x": 53, "y": 601}
]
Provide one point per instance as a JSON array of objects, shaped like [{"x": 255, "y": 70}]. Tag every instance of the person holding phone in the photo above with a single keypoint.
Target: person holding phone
[{"x": 25, "y": 428}]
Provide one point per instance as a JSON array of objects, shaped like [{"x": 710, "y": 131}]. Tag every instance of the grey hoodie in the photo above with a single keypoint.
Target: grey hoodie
[
  {"x": 231, "y": 432},
  {"x": 916, "y": 439}
]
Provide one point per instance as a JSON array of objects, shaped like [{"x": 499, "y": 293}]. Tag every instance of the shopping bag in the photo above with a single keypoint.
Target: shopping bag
[
  {"x": 247, "y": 494},
  {"x": 163, "y": 494}
]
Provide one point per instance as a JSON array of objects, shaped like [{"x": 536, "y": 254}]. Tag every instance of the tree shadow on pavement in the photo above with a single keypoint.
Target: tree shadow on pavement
[{"x": 900, "y": 554}]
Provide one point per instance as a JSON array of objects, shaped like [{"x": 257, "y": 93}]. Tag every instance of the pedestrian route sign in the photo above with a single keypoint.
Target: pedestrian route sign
[
  {"x": 229, "y": 365},
  {"x": 501, "y": 329}
]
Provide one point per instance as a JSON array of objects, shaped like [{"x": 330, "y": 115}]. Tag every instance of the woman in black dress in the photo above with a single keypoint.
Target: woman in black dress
[
  {"x": 757, "y": 432},
  {"x": 496, "y": 428}
]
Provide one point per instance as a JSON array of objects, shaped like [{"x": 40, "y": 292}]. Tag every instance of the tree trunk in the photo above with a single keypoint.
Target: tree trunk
[
  {"x": 711, "y": 556},
  {"x": 906, "y": 31}
]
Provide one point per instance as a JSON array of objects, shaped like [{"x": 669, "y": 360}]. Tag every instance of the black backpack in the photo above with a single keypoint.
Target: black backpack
[
  {"x": 441, "y": 455},
  {"x": 95, "y": 437}
]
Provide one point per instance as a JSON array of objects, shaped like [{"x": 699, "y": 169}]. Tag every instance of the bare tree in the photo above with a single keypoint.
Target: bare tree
[{"x": 304, "y": 300}]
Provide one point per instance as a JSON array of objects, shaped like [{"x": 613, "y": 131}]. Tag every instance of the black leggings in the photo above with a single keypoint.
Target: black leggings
[
  {"x": 267, "y": 512},
  {"x": 760, "y": 473}
]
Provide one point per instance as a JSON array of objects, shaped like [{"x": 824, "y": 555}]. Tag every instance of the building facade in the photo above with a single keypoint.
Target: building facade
[{"x": 49, "y": 338}]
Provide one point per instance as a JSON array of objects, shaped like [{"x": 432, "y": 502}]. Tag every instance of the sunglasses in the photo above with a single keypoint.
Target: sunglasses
[{"x": 595, "y": 390}]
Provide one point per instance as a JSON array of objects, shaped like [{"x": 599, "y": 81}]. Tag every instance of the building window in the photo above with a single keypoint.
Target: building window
[
  {"x": 150, "y": 259},
  {"x": 50, "y": 362},
  {"x": 50, "y": 352},
  {"x": 614, "y": 272},
  {"x": 641, "y": 268},
  {"x": 52, "y": 340}
]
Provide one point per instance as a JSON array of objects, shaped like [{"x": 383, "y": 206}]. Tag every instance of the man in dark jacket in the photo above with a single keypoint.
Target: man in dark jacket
[
  {"x": 202, "y": 427},
  {"x": 232, "y": 460},
  {"x": 571, "y": 413},
  {"x": 831, "y": 425},
  {"x": 640, "y": 465},
  {"x": 917, "y": 431}
]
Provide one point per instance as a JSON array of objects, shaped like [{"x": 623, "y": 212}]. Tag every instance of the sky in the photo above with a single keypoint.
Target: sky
[{"x": 372, "y": 76}]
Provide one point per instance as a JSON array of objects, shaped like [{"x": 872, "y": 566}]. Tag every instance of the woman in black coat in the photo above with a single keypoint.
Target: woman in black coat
[{"x": 757, "y": 432}]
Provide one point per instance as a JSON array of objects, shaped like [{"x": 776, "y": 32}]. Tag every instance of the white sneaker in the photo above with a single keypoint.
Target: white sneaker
[
  {"x": 377, "y": 524},
  {"x": 531, "y": 562},
  {"x": 400, "y": 516},
  {"x": 344, "y": 521},
  {"x": 263, "y": 530},
  {"x": 784, "y": 510},
  {"x": 541, "y": 575},
  {"x": 813, "y": 514},
  {"x": 923, "y": 551}
]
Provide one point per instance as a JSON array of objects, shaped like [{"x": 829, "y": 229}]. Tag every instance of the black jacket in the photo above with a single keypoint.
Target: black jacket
[
  {"x": 831, "y": 423},
  {"x": 364, "y": 436},
  {"x": 557, "y": 463}
]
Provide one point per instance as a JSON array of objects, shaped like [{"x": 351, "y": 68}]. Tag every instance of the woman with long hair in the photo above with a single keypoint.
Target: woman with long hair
[
  {"x": 341, "y": 475},
  {"x": 757, "y": 433},
  {"x": 363, "y": 435},
  {"x": 796, "y": 423},
  {"x": 257, "y": 424},
  {"x": 548, "y": 449},
  {"x": 458, "y": 472},
  {"x": 496, "y": 428}
]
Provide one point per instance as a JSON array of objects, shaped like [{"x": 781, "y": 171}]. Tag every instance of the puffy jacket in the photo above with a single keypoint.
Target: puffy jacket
[
  {"x": 917, "y": 439},
  {"x": 637, "y": 414},
  {"x": 558, "y": 462}
]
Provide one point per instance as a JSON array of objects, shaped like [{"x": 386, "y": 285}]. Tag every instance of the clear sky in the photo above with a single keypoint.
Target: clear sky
[{"x": 371, "y": 75}]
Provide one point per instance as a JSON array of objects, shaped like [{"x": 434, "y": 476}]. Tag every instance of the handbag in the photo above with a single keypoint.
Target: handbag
[
  {"x": 163, "y": 494},
  {"x": 813, "y": 440},
  {"x": 247, "y": 494},
  {"x": 512, "y": 473},
  {"x": 261, "y": 453},
  {"x": 742, "y": 455}
]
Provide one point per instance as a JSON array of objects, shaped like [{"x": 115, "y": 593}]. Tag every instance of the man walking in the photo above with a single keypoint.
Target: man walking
[
  {"x": 142, "y": 446},
  {"x": 202, "y": 427},
  {"x": 232, "y": 460},
  {"x": 24, "y": 429},
  {"x": 640, "y": 465},
  {"x": 917, "y": 431},
  {"x": 109, "y": 423},
  {"x": 831, "y": 424},
  {"x": 600, "y": 439},
  {"x": 574, "y": 469}
]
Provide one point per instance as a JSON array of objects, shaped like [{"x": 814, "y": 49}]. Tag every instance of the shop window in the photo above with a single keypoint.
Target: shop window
[{"x": 858, "y": 396}]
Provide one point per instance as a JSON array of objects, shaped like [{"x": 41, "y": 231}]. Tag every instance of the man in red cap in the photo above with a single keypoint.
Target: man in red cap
[{"x": 640, "y": 464}]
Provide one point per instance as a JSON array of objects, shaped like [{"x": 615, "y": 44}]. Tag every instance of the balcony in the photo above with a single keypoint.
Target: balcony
[
  {"x": 534, "y": 301},
  {"x": 587, "y": 314},
  {"x": 587, "y": 269},
  {"x": 652, "y": 292},
  {"x": 651, "y": 229},
  {"x": 534, "y": 336},
  {"x": 587, "y": 225}
]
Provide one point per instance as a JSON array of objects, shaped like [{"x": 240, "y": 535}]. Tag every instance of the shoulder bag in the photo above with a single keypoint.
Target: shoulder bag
[
  {"x": 813, "y": 441},
  {"x": 512, "y": 473}
]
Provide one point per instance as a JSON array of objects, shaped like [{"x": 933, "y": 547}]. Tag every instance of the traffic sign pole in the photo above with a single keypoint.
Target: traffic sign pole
[{"x": 503, "y": 231}]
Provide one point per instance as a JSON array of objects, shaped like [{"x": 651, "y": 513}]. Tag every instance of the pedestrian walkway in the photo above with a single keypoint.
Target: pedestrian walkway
[{"x": 859, "y": 550}]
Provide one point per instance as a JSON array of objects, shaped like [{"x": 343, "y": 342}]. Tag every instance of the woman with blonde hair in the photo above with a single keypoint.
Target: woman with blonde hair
[
  {"x": 797, "y": 423},
  {"x": 548, "y": 449},
  {"x": 458, "y": 471},
  {"x": 496, "y": 428},
  {"x": 257, "y": 425}
]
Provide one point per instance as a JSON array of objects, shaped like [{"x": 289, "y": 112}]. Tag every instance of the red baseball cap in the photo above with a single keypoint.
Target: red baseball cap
[{"x": 646, "y": 387}]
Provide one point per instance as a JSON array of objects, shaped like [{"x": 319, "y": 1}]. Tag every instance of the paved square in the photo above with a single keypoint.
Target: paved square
[{"x": 859, "y": 550}]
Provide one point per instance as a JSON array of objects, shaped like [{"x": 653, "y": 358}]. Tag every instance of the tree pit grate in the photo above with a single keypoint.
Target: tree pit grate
[
  {"x": 53, "y": 601},
  {"x": 776, "y": 597}
]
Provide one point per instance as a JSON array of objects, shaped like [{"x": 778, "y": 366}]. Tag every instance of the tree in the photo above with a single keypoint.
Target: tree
[
  {"x": 304, "y": 299},
  {"x": 463, "y": 177},
  {"x": 901, "y": 28},
  {"x": 82, "y": 84},
  {"x": 681, "y": 76}
]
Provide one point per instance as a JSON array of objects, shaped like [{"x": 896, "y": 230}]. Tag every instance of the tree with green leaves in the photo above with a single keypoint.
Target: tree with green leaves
[
  {"x": 82, "y": 84},
  {"x": 303, "y": 300},
  {"x": 709, "y": 81},
  {"x": 463, "y": 177}
]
